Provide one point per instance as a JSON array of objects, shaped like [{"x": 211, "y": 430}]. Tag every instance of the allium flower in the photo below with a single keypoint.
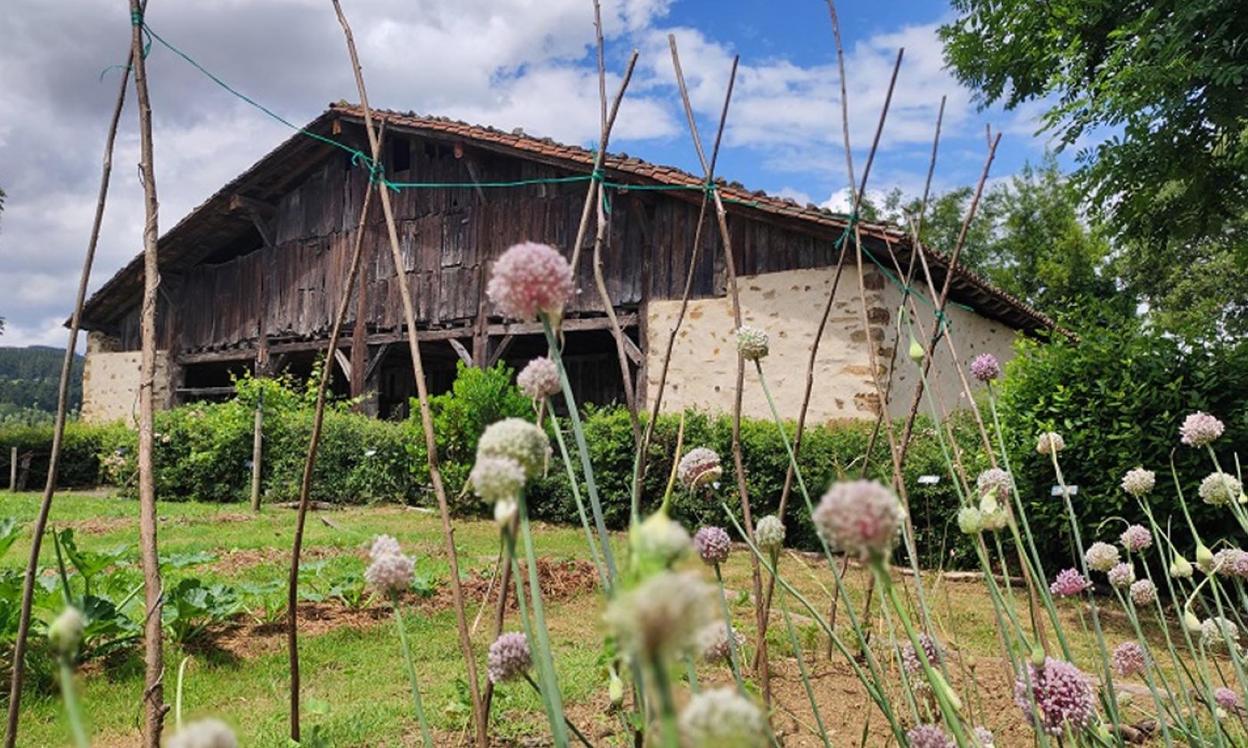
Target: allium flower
[
  {"x": 1050, "y": 442},
  {"x": 539, "y": 379},
  {"x": 1136, "y": 538},
  {"x": 662, "y": 615},
  {"x": 1143, "y": 592},
  {"x": 1226, "y": 698},
  {"x": 1218, "y": 631},
  {"x": 722, "y": 718},
  {"x": 1069, "y": 583},
  {"x": 1220, "y": 489},
  {"x": 204, "y": 733},
  {"x": 1139, "y": 481},
  {"x": 769, "y": 534},
  {"x": 699, "y": 467},
  {"x": 66, "y": 631},
  {"x": 1180, "y": 568},
  {"x": 528, "y": 279},
  {"x": 752, "y": 343},
  {"x": 1200, "y": 429},
  {"x": 994, "y": 519},
  {"x": 1062, "y": 694},
  {"x": 660, "y": 539},
  {"x": 994, "y": 482},
  {"x": 970, "y": 520},
  {"x": 509, "y": 657},
  {"x": 712, "y": 544},
  {"x": 1129, "y": 659},
  {"x": 714, "y": 642},
  {"x": 384, "y": 545},
  {"x": 983, "y": 736},
  {"x": 928, "y": 736},
  {"x": 985, "y": 367},
  {"x": 518, "y": 439},
  {"x": 910, "y": 656},
  {"x": 390, "y": 572},
  {"x": 497, "y": 478},
  {"x": 1231, "y": 562},
  {"x": 860, "y": 517},
  {"x": 1122, "y": 575},
  {"x": 1101, "y": 556}
]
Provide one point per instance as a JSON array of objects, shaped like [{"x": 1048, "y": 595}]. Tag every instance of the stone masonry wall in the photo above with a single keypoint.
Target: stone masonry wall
[{"x": 110, "y": 382}]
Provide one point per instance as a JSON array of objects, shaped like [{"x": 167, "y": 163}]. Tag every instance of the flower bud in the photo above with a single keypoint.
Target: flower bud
[
  {"x": 1204, "y": 557},
  {"x": 616, "y": 690},
  {"x": 65, "y": 633},
  {"x": 1220, "y": 713},
  {"x": 1190, "y": 621},
  {"x": 916, "y": 351},
  {"x": 970, "y": 520},
  {"x": 1037, "y": 655},
  {"x": 1124, "y": 698},
  {"x": 1180, "y": 567},
  {"x": 941, "y": 686}
]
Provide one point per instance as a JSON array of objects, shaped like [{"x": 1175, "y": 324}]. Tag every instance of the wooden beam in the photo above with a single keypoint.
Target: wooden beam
[
  {"x": 461, "y": 351},
  {"x": 375, "y": 361},
  {"x": 344, "y": 363},
  {"x": 206, "y": 391},
  {"x": 499, "y": 350},
  {"x": 260, "y": 212},
  {"x": 632, "y": 351}
]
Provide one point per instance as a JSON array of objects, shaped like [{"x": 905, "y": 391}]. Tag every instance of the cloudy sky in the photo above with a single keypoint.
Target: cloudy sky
[{"x": 508, "y": 63}]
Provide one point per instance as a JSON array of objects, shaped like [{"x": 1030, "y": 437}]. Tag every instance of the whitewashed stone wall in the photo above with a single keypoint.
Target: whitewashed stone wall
[{"x": 110, "y": 382}]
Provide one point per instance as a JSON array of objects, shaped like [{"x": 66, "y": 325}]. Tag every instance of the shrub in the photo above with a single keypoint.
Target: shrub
[
  {"x": 80, "y": 451},
  {"x": 1118, "y": 398}
]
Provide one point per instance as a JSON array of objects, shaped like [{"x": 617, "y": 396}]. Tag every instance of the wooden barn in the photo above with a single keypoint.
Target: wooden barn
[{"x": 250, "y": 279}]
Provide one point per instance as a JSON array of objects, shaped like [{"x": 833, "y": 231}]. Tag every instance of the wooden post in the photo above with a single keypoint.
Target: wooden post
[
  {"x": 13, "y": 469},
  {"x": 257, "y": 450}
]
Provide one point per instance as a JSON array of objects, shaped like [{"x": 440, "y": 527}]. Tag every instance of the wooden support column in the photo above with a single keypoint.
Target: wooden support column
[
  {"x": 359, "y": 334},
  {"x": 480, "y": 338}
]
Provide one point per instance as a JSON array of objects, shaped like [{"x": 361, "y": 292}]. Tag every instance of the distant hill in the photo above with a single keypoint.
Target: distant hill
[{"x": 29, "y": 378}]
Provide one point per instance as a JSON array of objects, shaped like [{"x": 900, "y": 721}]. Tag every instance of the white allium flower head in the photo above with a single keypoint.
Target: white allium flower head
[
  {"x": 860, "y": 517},
  {"x": 1200, "y": 429},
  {"x": 716, "y": 645},
  {"x": 698, "y": 467},
  {"x": 752, "y": 343},
  {"x": 1050, "y": 442},
  {"x": 769, "y": 534},
  {"x": 661, "y": 539},
  {"x": 204, "y": 733},
  {"x": 662, "y": 616},
  {"x": 391, "y": 572},
  {"x": 384, "y": 545},
  {"x": 497, "y": 479},
  {"x": 539, "y": 379},
  {"x": 1139, "y": 481},
  {"x": 1216, "y": 631},
  {"x": 518, "y": 439},
  {"x": 995, "y": 519},
  {"x": 994, "y": 482},
  {"x": 66, "y": 631},
  {"x": 722, "y": 718},
  {"x": 1101, "y": 556},
  {"x": 1121, "y": 575},
  {"x": 505, "y": 511},
  {"x": 1220, "y": 489}
]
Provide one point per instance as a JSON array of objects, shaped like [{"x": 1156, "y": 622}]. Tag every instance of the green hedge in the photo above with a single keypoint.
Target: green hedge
[{"x": 80, "y": 452}]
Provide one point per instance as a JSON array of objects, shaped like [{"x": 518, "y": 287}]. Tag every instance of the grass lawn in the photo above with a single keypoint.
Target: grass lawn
[{"x": 355, "y": 688}]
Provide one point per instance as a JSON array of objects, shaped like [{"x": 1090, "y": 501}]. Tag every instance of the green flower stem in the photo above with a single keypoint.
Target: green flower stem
[
  {"x": 579, "y": 735},
  {"x": 545, "y": 656},
  {"x": 667, "y": 705},
  {"x": 800, "y": 654},
  {"x": 1129, "y": 605},
  {"x": 576, "y": 494},
  {"x": 733, "y": 657},
  {"x": 426, "y": 736},
  {"x": 870, "y": 683},
  {"x": 71, "y": 704},
  {"x": 578, "y": 433}
]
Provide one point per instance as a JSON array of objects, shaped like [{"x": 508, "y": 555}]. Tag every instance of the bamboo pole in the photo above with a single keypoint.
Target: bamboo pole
[
  {"x": 257, "y": 452},
  {"x": 309, "y": 463},
  {"x": 62, "y": 405},
  {"x": 153, "y": 654},
  {"x": 426, "y": 417}
]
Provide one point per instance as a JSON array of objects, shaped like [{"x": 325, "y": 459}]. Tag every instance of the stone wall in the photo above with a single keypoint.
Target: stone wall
[
  {"x": 110, "y": 382},
  {"x": 788, "y": 306}
]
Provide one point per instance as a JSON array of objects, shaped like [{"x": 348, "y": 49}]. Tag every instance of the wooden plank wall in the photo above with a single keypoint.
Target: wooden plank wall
[{"x": 289, "y": 291}]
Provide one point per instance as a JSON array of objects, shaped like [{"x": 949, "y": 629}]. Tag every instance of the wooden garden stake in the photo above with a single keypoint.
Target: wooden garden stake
[
  {"x": 13, "y": 468},
  {"x": 426, "y": 417},
  {"x": 257, "y": 452}
]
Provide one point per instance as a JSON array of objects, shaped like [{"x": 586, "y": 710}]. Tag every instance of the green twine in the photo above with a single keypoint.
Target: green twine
[{"x": 376, "y": 174}]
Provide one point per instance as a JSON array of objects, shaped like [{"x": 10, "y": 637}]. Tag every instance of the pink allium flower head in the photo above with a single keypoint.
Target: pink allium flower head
[
  {"x": 1231, "y": 562},
  {"x": 539, "y": 379},
  {"x": 716, "y": 642},
  {"x": 712, "y": 544},
  {"x": 204, "y": 733},
  {"x": 985, "y": 367},
  {"x": 983, "y": 736},
  {"x": 1226, "y": 698},
  {"x": 384, "y": 545},
  {"x": 699, "y": 467},
  {"x": 1129, "y": 659},
  {"x": 1143, "y": 592},
  {"x": 928, "y": 736},
  {"x": 1050, "y": 442},
  {"x": 1139, "y": 481},
  {"x": 994, "y": 481},
  {"x": 530, "y": 279},
  {"x": 1122, "y": 575},
  {"x": 1136, "y": 538},
  {"x": 910, "y": 656},
  {"x": 390, "y": 572},
  {"x": 860, "y": 517},
  {"x": 1062, "y": 694},
  {"x": 509, "y": 657},
  {"x": 1200, "y": 429},
  {"x": 1069, "y": 583},
  {"x": 1101, "y": 556},
  {"x": 1220, "y": 489}
]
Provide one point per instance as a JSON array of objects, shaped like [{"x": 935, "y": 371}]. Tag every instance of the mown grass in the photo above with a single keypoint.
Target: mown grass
[{"x": 355, "y": 689}]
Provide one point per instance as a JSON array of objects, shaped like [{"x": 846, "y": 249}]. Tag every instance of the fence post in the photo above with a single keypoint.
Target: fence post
[
  {"x": 13, "y": 469},
  {"x": 257, "y": 449}
]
